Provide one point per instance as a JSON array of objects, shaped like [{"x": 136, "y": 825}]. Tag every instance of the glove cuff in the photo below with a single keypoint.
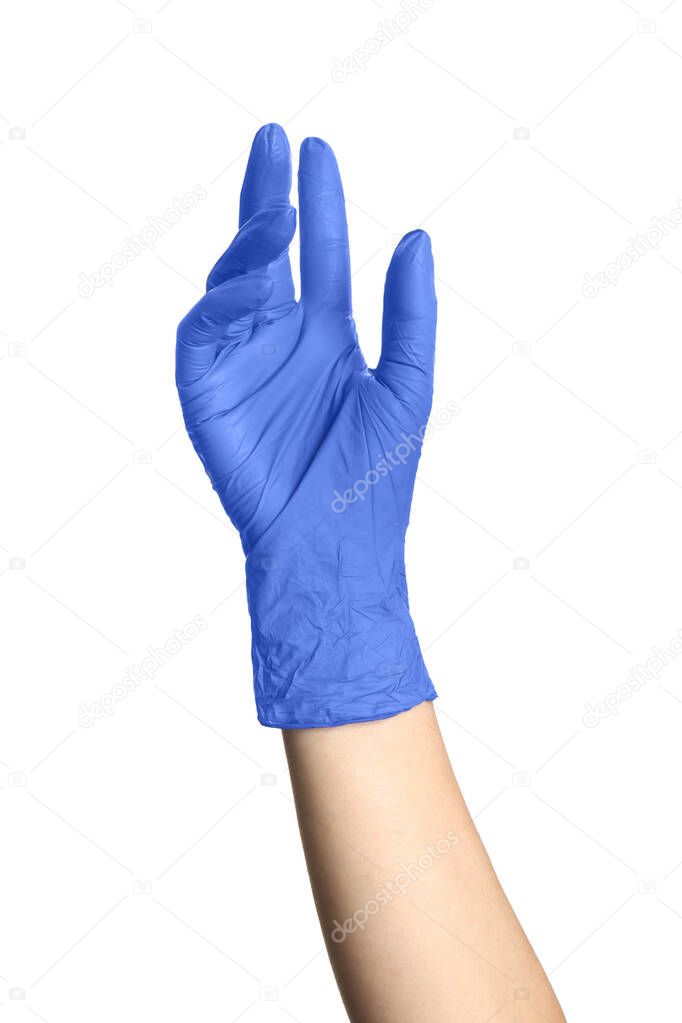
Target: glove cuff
[
  {"x": 326, "y": 657},
  {"x": 310, "y": 702}
]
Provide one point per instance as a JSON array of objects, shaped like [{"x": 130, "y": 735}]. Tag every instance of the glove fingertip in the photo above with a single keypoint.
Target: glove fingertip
[
  {"x": 283, "y": 221},
  {"x": 260, "y": 288},
  {"x": 415, "y": 247}
]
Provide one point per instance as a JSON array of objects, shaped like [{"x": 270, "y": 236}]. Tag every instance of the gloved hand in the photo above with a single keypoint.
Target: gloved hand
[{"x": 312, "y": 454}]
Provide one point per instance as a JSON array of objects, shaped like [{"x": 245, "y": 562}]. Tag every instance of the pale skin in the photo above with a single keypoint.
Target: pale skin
[{"x": 416, "y": 924}]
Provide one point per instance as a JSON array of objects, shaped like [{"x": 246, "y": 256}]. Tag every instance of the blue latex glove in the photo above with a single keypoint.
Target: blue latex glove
[{"x": 312, "y": 454}]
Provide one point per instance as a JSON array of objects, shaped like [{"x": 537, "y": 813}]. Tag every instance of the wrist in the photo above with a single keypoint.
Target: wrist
[{"x": 328, "y": 654}]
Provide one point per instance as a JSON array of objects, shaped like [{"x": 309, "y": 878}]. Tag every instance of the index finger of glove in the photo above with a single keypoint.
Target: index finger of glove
[{"x": 205, "y": 325}]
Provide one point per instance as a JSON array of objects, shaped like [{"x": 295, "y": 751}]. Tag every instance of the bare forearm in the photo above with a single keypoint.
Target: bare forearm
[{"x": 416, "y": 923}]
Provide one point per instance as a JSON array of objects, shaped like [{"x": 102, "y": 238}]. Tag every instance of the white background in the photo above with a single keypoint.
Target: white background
[{"x": 179, "y": 786}]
